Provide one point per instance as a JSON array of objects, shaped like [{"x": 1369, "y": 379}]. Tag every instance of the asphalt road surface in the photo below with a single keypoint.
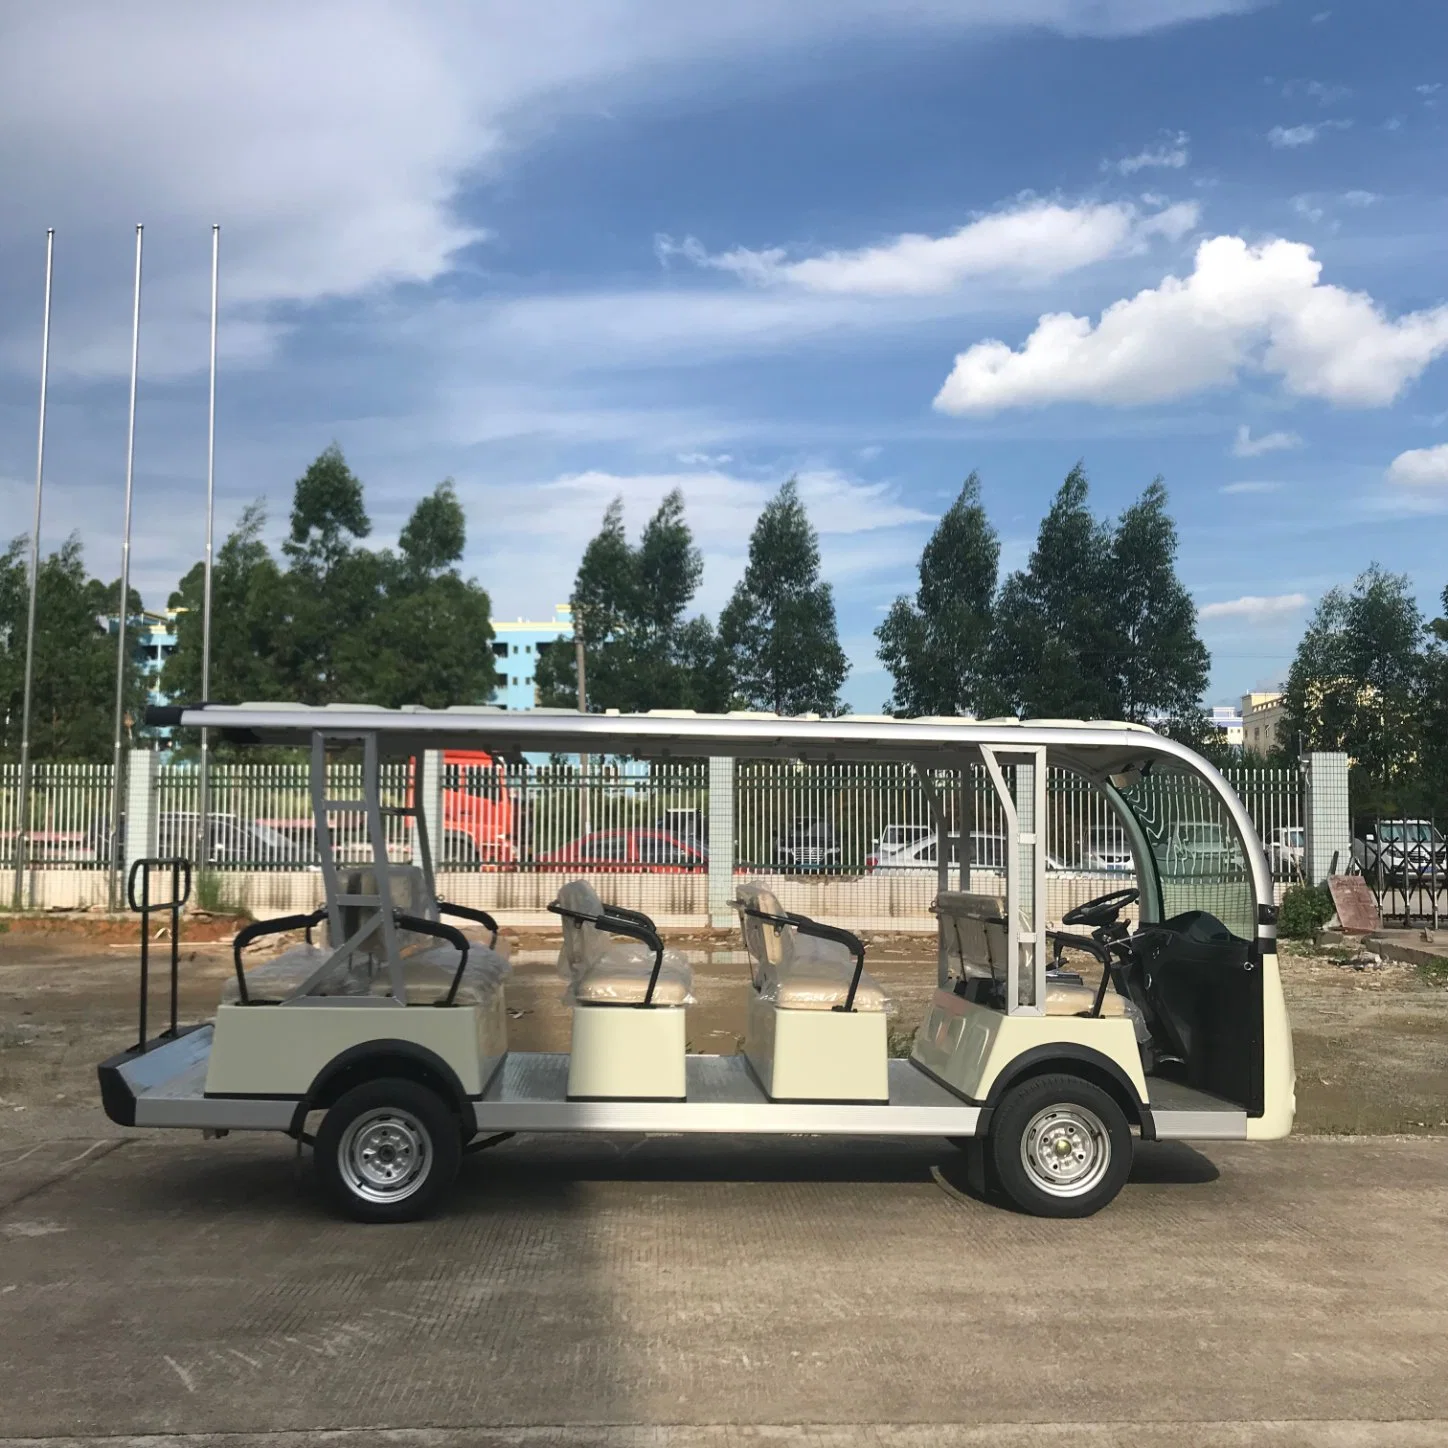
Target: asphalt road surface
[{"x": 709, "y": 1293}]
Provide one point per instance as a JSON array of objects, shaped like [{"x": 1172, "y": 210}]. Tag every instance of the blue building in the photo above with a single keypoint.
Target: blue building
[{"x": 516, "y": 646}]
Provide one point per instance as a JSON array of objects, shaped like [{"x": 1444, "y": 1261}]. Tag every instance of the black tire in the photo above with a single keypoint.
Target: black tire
[
  {"x": 1061, "y": 1146},
  {"x": 387, "y": 1151}
]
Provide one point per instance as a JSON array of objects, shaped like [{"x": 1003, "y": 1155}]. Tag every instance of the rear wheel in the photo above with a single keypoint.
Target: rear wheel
[
  {"x": 1061, "y": 1146},
  {"x": 387, "y": 1151}
]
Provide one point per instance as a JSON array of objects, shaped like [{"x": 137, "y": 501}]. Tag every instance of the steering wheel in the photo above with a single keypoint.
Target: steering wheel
[{"x": 1103, "y": 910}]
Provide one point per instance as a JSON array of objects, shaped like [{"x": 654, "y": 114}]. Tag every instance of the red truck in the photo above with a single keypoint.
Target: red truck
[{"x": 478, "y": 810}]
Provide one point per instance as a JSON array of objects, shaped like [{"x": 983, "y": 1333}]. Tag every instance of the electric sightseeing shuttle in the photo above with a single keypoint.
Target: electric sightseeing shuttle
[{"x": 383, "y": 1042}]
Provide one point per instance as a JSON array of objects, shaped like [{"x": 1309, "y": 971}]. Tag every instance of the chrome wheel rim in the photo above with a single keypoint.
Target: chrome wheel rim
[
  {"x": 385, "y": 1154},
  {"x": 1066, "y": 1150}
]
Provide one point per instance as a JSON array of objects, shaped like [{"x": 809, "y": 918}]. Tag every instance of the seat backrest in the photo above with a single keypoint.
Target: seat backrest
[
  {"x": 408, "y": 893},
  {"x": 584, "y": 945},
  {"x": 977, "y": 940},
  {"x": 768, "y": 945}
]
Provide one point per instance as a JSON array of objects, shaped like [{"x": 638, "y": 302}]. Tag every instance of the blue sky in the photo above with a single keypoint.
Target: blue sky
[{"x": 564, "y": 251}]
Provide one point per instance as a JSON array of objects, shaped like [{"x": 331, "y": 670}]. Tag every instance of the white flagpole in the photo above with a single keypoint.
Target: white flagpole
[
  {"x": 203, "y": 853},
  {"x": 117, "y": 769},
  {"x": 22, "y": 832}
]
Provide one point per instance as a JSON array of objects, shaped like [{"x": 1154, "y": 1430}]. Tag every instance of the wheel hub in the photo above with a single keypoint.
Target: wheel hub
[
  {"x": 386, "y": 1155},
  {"x": 1066, "y": 1150}
]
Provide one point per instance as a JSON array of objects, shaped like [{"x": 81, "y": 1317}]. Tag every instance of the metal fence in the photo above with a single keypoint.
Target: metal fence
[{"x": 829, "y": 819}]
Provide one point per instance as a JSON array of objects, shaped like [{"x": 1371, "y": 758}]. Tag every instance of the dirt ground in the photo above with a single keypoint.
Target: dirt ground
[{"x": 1371, "y": 1042}]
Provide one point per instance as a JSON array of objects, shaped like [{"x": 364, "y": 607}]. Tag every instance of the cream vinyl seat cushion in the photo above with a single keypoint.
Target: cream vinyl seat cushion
[
  {"x": 797, "y": 972},
  {"x": 603, "y": 970}
]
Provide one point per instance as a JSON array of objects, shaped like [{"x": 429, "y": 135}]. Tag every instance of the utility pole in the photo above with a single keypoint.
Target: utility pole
[
  {"x": 203, "y": 810},
  {"x": 582, "y": 709},
  {"x": 113, "y": 892},
  {"x": 22, "y": 823}
]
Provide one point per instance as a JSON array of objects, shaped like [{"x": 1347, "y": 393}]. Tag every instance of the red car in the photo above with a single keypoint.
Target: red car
[{"x": 630, "y": 850}]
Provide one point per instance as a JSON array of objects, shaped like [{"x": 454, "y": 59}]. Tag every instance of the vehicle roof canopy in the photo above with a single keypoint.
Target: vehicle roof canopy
[{"x": 1097, "y": 747}]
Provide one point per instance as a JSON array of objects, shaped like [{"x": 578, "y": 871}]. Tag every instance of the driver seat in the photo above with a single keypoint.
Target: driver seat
[{"x": 977, "y": 945}]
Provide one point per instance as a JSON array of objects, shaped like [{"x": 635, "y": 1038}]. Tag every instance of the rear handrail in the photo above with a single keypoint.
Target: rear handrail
[
  {"x": 806, "y": 926},
  {"x": 468, "y": 912},
  {"x": 450, "y": 933},
  {"x": 277, "y": 926},
  {"x": 633, "y": 923},
  {"x": 179, "y": 866}
]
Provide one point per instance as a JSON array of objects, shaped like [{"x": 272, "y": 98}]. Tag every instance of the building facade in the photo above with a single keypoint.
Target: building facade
[
  {"x": 516, "y": 647},
  {"x": 1262, "y": 715}
]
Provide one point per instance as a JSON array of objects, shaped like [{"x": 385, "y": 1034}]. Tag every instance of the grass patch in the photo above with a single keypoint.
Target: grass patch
[
  {"x": 210, "y": 892},
  {"x": 1430, "y": 972},
  {"x": 899, "y": 1040}
]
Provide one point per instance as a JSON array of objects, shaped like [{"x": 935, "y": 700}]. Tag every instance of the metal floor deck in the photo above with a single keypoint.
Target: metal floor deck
[
  {"x": 530, "y": 1092},
  {"x": 1184, "y": 1113}
]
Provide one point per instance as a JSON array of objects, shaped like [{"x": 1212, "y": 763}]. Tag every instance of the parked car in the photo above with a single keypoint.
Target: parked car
[
  {"x": 1400, "y": 849},
  {"x": 1286, "y": 848},
  {"x": 231, "y": 841},
  {"x": 807, "y": 844},
  {"x": 1104, "y": 851},
  {"x": 630, "y": 849},
  {"x": 1202, "y": 847},
  {"x": 987, "y": 852}
]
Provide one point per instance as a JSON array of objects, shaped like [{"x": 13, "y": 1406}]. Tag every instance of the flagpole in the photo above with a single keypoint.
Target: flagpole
[
  {"x": 203, "y": 852},
  {"x": 22, "y": 832},
  {"x": 117, "y": 794}
]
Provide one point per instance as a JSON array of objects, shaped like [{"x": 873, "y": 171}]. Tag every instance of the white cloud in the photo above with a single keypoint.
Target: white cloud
[
  {"x": 1290, "y": 137},
  {"x": 1035, "y": 240},
  {"x": 705, "y": 460},
  {"x": 1171, "y": 153},
  {"x": 332, "y": 140},
  {"x": 1254, "y": 609},
  {"x": 1421, "y": 466},
  {"x": 1249, "y": 487},
  {"x": 1243, "y": 308},
  {"x": 1360, "y": 198},
  {"x": 1247, "y": 446}
]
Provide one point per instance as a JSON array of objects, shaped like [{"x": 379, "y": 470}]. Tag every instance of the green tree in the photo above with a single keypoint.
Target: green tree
[
  {"x": 935, "y": 646},
  {"x": 73, "y": 698},
  {"x": 1051, "y": 654},
  {"x": 341, "y": 623},
  {"x": 430, "y": 641},
  {"x": 1359, "y": 680},
  {"x": 1098, "y": 625},
  {"x": 778, "y": 631},
  {"x": 333, "y": 586},
  {"x": 629, "y": 606},
  {"x": 1160, "y": 663},
  {"x": 250, "y": 621}
]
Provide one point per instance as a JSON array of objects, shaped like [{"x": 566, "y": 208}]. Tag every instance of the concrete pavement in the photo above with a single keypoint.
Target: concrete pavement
[{"x": 585, "y": 1291}]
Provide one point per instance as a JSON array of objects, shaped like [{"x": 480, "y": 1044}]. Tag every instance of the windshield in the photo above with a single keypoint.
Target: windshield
[
  {"x": 1414, "y": 832},
  {"x": 1199, "y": 859}
]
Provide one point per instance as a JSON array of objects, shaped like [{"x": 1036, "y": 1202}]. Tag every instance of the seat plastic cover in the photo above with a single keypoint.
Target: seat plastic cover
[
  {"x": 799, "y": 972},
  {"x": 603, "y": 970},
  {"x": 428, "y": 970}
]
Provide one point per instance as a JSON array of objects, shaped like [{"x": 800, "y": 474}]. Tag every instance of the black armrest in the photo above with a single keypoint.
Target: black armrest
[
  {"x": 1093, "y": 948},
  {"x": 635, "y": 928},
  {"x": 637, "y": 916},
  {"x": 806, "y": 926},
  {"x": 279, "y": 926},
  {"x": 439, "y": 931},
  {"x": 466, "y": 912}
]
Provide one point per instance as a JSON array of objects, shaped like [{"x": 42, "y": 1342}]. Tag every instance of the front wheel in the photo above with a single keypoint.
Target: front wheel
[
  {"x": 387, "y": 1151},
  {"x": 1061, "y": 1146}
]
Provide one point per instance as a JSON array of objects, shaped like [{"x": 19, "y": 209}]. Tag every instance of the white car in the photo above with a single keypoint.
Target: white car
[
  {"x": 1286, "y": 849},
  {"x": 1105, "y": 851}
]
